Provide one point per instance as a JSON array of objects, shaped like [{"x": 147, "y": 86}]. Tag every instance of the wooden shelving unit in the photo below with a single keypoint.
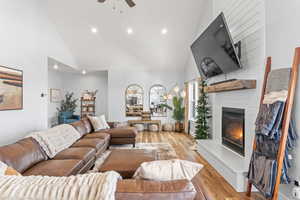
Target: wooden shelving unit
[
  {"x": 88, "y": 107},
  {"x": 232, "y": 85}
]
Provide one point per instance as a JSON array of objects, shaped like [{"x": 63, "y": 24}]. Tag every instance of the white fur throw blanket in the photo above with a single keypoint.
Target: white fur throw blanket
[
  {"x": 81, "y": 187},
  {"x": 167, "y": 170},
  {"x": 56, "y": 139}
]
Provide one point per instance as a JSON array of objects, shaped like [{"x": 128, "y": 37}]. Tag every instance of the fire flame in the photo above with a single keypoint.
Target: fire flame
[{"x": 235, "y": 131}]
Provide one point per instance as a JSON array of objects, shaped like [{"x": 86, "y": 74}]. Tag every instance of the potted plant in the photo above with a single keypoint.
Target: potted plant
[
  {"x": 203, "y": 113},
  {"x": 67, "y": 109},
  {"x": 178, "y": 112}
]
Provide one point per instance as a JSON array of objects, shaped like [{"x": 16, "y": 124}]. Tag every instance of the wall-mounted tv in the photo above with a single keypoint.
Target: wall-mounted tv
[{"x": 214, "y": 51}]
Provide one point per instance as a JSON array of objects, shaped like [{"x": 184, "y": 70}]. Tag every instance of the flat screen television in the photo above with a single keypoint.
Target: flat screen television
[{"x": 214, "y": 51}]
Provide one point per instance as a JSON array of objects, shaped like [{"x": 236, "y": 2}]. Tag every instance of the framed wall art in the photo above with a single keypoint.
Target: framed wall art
[
  {"x": 11, "y": 89},
  {"x": 55, "y": 95}
]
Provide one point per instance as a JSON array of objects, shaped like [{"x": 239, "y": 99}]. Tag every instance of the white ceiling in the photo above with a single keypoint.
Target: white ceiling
[{"x": 112, "y": 47}]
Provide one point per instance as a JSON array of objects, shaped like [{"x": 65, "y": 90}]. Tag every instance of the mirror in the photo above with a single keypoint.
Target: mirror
[
  {"x": 157, "y": 98},
  {"x": 134, "y": 100}
]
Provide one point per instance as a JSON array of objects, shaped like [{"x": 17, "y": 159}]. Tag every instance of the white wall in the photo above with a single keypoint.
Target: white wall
[
  {"x": 78, "y": 83},
  {"x": 246, "y": 22},
  {"x": 92, "y": 81},
  {"x": 282, "y": 37},
  {"x": 27, "y": 39},
  {"x": 55, "y": 81},
  {"x": 119, "y": 80},
  {"x": 191, "y": 71}
]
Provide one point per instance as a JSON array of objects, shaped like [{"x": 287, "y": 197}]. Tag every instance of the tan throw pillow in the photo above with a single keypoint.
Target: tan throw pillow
[
  {"x": 97, "y": 123},
  {"x": 8, "y": 171},
  {"x": 168, "y": 170}
]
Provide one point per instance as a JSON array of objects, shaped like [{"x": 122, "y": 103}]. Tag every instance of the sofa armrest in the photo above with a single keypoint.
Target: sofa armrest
[{"x": 153, "y": 190}]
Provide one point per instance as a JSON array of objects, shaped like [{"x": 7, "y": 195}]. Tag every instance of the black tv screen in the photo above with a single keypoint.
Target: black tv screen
[{"x": 214, "y": 51}]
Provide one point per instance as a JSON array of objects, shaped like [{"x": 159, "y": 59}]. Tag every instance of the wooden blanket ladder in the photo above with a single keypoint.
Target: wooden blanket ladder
[{"x": 286, "y": 117}]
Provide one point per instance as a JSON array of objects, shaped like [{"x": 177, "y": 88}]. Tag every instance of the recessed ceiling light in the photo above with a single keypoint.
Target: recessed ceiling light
[
  {"x": 94, "y": 30},
  {"x": 129, "y": 31},
  {"x": 55, "y": 67},
  {"x": 164, "y": 31},
  {"x": 83, "y": 72}
]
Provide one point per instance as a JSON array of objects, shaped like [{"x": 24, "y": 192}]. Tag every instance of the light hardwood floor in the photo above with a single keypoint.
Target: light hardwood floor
[{"x": 215, "y": 186}]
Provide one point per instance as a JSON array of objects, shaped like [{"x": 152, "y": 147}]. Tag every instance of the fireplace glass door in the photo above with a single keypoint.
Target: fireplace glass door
[{"x": 233, "y": 129}]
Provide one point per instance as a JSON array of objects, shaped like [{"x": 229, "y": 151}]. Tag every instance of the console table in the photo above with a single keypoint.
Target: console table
[{"x": 133, "y": 122}]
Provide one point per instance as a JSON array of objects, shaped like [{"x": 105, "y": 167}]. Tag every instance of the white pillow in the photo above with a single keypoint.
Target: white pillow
[
  {"x": 168, "y": 170},
  {"x": 97, "y": 123},
  {"x": 102, "y": 118}
]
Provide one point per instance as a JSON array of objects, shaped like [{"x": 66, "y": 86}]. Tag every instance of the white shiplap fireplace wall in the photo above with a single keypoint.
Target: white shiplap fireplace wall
[{"x": 246, "y": 21}]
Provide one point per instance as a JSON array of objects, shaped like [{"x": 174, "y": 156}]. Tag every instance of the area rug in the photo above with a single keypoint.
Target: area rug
[{"x": 164, "y": 151}]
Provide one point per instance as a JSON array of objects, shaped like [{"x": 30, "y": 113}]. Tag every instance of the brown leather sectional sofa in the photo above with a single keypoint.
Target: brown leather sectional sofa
[{"x": 28, "y": 158}]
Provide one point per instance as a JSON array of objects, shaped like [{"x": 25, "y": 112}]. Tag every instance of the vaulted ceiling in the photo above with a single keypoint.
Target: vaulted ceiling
[{"x": 112, "y": 47}]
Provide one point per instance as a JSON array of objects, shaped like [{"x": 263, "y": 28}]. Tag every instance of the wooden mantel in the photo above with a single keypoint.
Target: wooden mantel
[{"x": 232, "y": 85}]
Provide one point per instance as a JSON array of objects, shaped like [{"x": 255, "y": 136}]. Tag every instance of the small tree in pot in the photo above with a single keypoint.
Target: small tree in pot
[
  {"x": 178, "y": 112},
  {"x": 203, "y": 113},
  {"x": 68, "y": 105}
]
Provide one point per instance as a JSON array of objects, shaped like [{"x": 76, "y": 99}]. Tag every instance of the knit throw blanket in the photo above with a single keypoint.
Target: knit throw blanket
[
  {"x": 56, "y": 139},
  {"x": 81, "y": 187}
]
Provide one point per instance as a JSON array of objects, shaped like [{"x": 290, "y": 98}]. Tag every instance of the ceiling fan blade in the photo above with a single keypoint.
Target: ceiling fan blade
[
  {"x": 101, "y": 1},
  {"x": 130, "y": 3}
]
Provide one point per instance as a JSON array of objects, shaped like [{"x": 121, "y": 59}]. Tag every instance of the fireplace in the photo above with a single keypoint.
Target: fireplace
[{"x": 233, "y": 129}]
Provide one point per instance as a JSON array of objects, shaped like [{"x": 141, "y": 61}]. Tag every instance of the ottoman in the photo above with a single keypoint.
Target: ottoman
[
  {"x": 122, "y": 135},
  {"x": 139, "y": 127},
  {"x": 153, "y": 128},
  {"x": 127, "y": 161}
]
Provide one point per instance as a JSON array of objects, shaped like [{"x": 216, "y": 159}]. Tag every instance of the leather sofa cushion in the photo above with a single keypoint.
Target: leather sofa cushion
[
  {"x": 55, "y": 168},
  {"x": 122, "y": 132},
  {"x": 85, "y": 154},
  {"x": 91, "y": 142},
  {"x": 22, "y": 154},
  {"x": 126, "y": 161},
  {"x": 80, "y": 127},
  {"x": 153, "y": 190},
  {"x": 122, "y": 141},
  {"x": 100, "y": 135}
]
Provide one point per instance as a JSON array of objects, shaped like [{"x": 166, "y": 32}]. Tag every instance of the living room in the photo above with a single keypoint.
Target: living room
[{"x": 105, "y": 47}]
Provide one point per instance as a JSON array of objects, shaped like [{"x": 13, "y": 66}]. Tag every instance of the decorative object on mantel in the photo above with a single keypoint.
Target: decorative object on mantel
[
  {"x": 203, "y": 113},
  {"x": 11, "y": 89},
  {"x": 67, "y": 109},
  {"x": 55, "y": 95},
  {"x": 274, "y": 135},
  {"x": 232, "y": 85}
]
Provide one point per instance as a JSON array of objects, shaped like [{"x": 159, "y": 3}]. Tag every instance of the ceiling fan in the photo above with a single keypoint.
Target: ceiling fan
[{"x": 129, "y": 2}]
